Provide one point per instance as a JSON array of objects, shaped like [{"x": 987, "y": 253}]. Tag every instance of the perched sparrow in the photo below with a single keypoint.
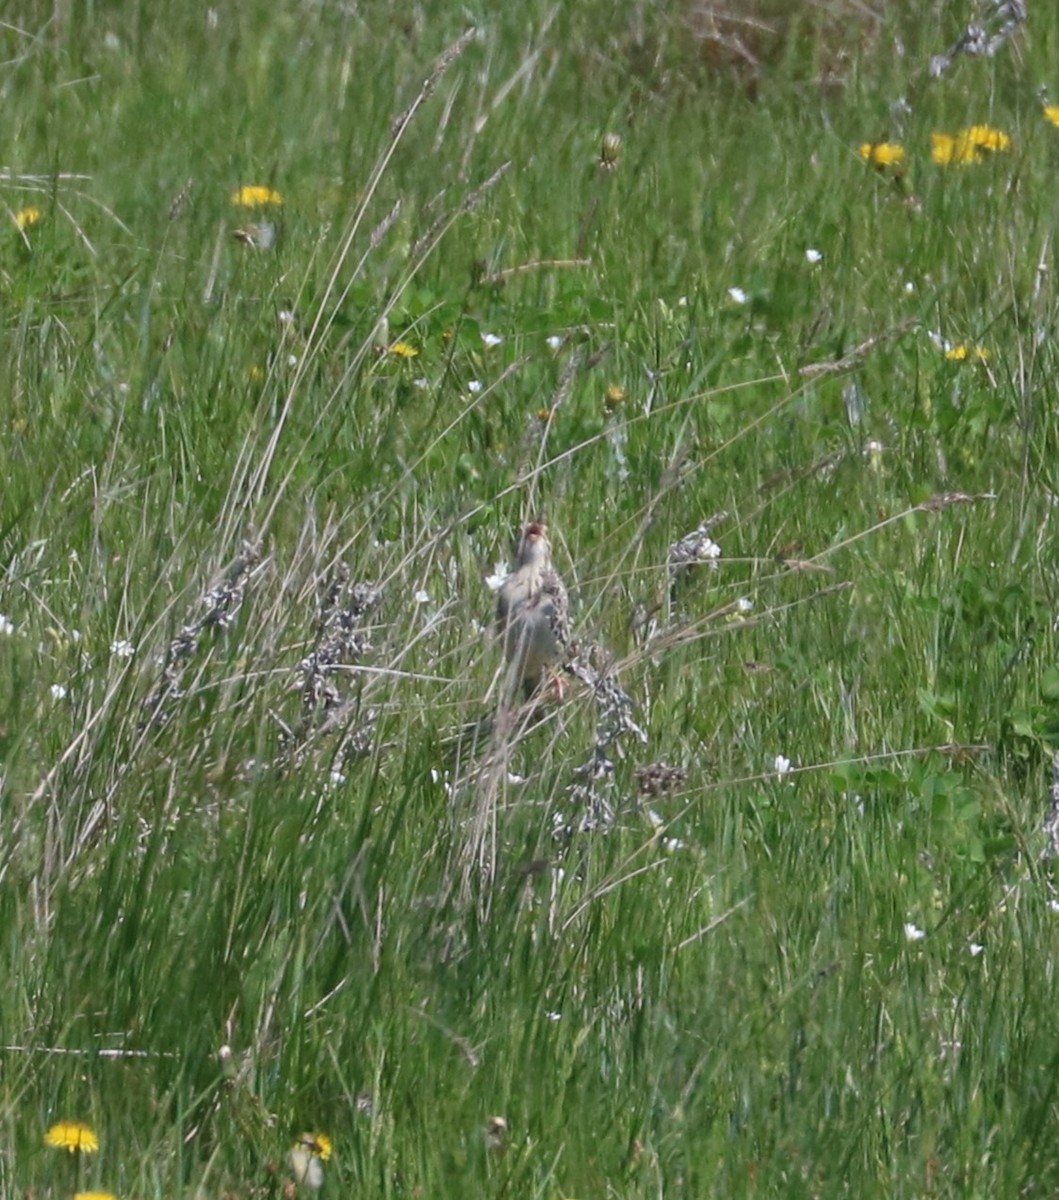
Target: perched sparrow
[{"x": 532, "y": 611}]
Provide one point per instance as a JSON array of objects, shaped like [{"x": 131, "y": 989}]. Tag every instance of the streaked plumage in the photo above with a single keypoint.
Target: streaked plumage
[{"x": 532, "y": 612}]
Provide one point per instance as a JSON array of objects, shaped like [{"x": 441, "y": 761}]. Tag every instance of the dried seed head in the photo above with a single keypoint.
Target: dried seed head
[
  {"x": 258, "y": 235},
  {"x": 496, "y": 1132},
  {"x": 180, "y": 201},
  {"x": 658, "y": 779},
  {"x": 609, "y": 151},
  {"x": 695, "y": 547}
]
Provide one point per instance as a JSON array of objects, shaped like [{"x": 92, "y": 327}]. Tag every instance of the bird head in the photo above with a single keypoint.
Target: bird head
[{"x": 535, "y": 546}]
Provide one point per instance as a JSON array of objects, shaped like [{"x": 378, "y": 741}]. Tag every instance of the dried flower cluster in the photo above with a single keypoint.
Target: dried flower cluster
[
  {"x": 221, "y": 604},
  {"x": 659, "y": 779},
  {"x": 694, "y": 548},
  {"x": 985, "y": 38},
  {"x": 342, "y": 639},
  {"x": 594, "y": 808}
]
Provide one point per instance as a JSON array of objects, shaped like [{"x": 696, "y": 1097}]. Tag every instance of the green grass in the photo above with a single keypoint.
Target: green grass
[{"x": 222, "y": 927}]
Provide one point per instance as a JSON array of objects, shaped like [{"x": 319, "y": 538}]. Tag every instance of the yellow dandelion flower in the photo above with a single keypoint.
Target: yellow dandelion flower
[
  {"x": 255, "y": 197},
  {"x": 26, "y": 218},
  {"x": 94, "y": 1196},
  {"x": 404, "y": 350},
  {"x": 544, "y": 415},
  {"x": 967, "y": 145},
  {"x": 1051, "y": 113},
  {"x": 984, "y": 137},
  {"x": 72, "y": 1136},
  {"x": 944, "y": 150},
  {"x": 614, "y": 396},
  {"x": 963, "y": 352},
  {"x": 318, "y": 1144},
  {"x": 882, "y": 154}
]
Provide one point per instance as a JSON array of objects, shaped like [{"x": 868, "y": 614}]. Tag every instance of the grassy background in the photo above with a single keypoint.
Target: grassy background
[{"x": 716, "y": 993}]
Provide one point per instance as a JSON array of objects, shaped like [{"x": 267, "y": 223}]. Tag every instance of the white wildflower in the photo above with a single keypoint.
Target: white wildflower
[
  {"x": 913, "y": 933},
  {"x": 122, "y": 649},
  {"x": 7, "y": 626},
  {"x": 444, "y": 779},
  {"x": 781, "y": 765},
  {"x": 500, "y": 572},
  {"x": 975, "y": 949},
  {"x": 58, "y": 692},
  {"x": 492, "y": 339},
  {"x": 555, "y": 342},
  {"x": 814, "y": 256},
  {"x": 737, "y": 295},
  {"x": 475, "y": 386},
  {"x": 744, "y": 604}
]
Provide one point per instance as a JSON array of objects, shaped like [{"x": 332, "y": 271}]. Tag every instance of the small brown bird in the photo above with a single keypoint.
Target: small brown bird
[{"x": 533, "y": 611}]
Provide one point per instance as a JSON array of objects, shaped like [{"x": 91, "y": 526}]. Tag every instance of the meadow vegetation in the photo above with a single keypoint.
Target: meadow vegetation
[{"x": 304, "y": 309}]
